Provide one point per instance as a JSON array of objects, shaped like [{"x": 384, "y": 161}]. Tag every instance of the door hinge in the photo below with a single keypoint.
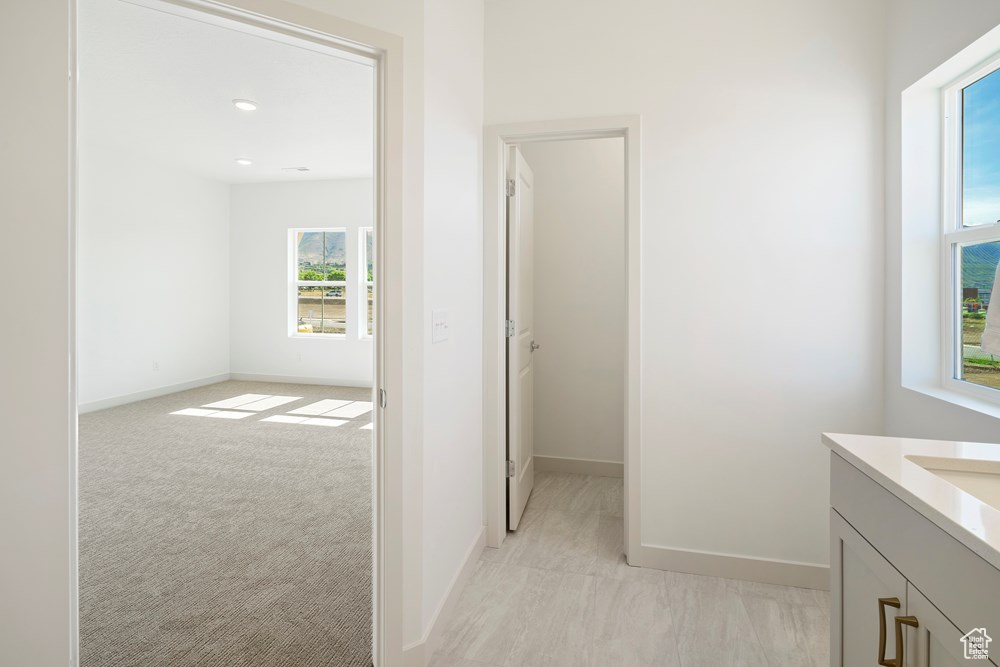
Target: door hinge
[
  {"x": 508, "y": 328},
  {"x": 511, "y": 189},
  {"x": 511, "y": 469},
  {"x": 382, "y": 400}
]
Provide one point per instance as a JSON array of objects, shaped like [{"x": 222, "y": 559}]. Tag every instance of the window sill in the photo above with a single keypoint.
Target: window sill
[
  {"x": 959, "y": 399},
  {"x": 318, "y": 336}
]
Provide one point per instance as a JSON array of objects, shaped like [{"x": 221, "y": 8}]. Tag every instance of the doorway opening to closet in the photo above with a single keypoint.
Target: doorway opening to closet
[{"x": 562, "y": 396}]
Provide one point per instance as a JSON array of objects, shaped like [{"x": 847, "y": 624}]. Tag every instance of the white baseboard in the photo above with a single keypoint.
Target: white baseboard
[
  {"x": 293, "y": 379},
  {"x": 579, "y": 466},
  {"x": 783, "y": 573},
  {"x": 115, "y": 401},
  {"x": 419, "y": 653}
]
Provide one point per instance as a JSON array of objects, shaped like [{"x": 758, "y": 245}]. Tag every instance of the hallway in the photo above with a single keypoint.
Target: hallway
[{"x": 558, "y": 592}]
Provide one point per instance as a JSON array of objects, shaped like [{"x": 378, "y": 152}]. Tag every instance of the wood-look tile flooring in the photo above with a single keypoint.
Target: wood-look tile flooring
[{"x": 558, "y": 592}]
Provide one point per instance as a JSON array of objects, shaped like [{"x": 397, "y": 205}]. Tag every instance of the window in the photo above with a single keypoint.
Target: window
[
  {"x": 972, "y": 224},
  {"x": 319, "y": 282},
  {"x": 368, "y": 276}
]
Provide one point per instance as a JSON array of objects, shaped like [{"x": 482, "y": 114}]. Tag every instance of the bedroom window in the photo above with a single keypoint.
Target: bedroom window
[
  {"x": 318, "y": 282},
  {"x": 367, "y": 256},
  {"x": 971, "y": 248}
]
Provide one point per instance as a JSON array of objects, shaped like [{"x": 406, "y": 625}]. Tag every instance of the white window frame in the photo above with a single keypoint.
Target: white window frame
[
  {"x": 295, "y": 284},
  {"x": 364, "y": 283},
  {"x": 954, "y": 236}
]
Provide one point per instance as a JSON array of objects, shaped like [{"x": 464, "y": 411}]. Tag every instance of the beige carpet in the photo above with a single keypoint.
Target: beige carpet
[{"x": 220, "y": 542}]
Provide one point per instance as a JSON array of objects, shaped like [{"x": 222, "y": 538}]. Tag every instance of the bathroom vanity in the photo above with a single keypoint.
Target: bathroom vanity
[{"x": 914, "y": 552}]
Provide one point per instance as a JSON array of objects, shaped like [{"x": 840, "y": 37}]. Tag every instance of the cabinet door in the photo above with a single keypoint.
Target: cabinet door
[
  {"x": 859, "y": 577},
  {"x": 935, "y": 642}
]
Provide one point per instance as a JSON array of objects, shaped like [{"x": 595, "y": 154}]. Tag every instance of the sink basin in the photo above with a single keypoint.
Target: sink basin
[{"x": 977, "y": 478}]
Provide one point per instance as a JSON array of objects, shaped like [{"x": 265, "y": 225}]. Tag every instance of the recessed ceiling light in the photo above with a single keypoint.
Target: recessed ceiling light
[
  {"x": 244, "y": 161},
  {"x": 245, "y": 105},
  {"x": 295, "y": 169}
]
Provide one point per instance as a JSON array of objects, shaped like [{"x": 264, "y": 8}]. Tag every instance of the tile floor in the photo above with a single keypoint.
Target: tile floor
[{"x": 558, "y": 592}]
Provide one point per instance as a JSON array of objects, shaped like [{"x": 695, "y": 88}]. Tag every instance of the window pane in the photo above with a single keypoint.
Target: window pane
[
  {"x": 369, "y": 241},
  {"x": 979, "y": 266},
  {"x": 981, "y": 151},
  {"x": 370, "y": 254},
  {"x": 371, "y": 312},
  {"x": 322, "y": 255},
  {"x": 322, "y": 310}
]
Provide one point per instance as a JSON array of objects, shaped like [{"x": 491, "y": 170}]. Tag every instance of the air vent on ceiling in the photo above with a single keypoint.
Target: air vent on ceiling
[{"x": 295, "y": 169}]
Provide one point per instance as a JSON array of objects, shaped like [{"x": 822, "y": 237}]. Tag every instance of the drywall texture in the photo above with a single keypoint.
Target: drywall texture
[
  {"x": 152, "y": 271},
  {"x": 579, "y": 410},
  {"x": 922, "y": 34},
  {"x": 453, "y": 369},
  {"x": 761, "y": 240},
  {"x": 261, "y": 216}
]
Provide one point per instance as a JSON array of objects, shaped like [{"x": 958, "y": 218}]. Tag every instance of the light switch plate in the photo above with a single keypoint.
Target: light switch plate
[{"x": 440, "y": 326}]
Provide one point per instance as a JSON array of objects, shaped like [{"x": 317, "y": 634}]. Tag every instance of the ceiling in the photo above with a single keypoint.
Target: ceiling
[{"x": 162, "y": 85}]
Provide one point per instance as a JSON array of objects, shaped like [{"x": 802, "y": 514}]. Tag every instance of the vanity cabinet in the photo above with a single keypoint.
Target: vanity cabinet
[
  {"x": 935, "y": 642},
  {"x": 865, "y": 578},
  {"x": 864, "y": 608},
  {"x": 896, "y": 574}
]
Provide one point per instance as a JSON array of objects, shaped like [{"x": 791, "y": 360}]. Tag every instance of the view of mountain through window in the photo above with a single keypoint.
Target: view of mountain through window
[
  {"x": 979, "y": 266},
  {"x": 321, "y": 282},
  {"x": 980, "y": 206}
]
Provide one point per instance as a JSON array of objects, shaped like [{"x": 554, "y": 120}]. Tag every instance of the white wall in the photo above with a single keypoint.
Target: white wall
[
  {"x": 36, "y": 404},
  {"x": 153, "y": 272},
  {"x": 453, "y": 381},
  {"x": 761, "y": 240},
  {"x": 158, "y": 252},
  {"x": 261, "y": 217},
  {"x": 579, "y": 408},
  {"x": 922, "y": 34}
]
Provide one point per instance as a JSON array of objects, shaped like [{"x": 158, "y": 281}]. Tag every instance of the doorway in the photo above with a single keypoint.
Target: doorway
[
  {"x": 565, "y": 298},
  {"x": 511, "y": 460},
  {"x": 362, "y": 305}
]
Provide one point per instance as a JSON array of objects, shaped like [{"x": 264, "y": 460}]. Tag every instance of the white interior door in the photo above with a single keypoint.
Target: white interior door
[{"x": 520, "y": 338}]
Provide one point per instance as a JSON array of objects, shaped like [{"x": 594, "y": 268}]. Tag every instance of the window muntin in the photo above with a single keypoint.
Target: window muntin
[
  {"x": 319, "y": 279},
  {"x": 972, "y": 227}
]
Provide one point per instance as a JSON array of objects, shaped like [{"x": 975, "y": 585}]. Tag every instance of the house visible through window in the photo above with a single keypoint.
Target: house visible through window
[
  {"x": 972, "y": 222},
  {"x": 368, "y": 279},
  {"x": 319, "y": 281}
]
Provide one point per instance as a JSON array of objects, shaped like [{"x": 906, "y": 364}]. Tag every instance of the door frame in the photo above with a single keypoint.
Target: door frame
[
  {"x": 497, "y": 140},
  {"x": 281, "y": 21}
]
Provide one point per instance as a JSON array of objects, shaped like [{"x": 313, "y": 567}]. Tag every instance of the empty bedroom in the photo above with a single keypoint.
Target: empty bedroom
[{"x": 225, "y": 308}]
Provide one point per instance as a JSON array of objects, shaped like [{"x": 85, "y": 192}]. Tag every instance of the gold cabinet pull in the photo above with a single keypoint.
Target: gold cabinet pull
[
  {"x": 882, "y": 604},
  {"x": 900, "y": 622}
]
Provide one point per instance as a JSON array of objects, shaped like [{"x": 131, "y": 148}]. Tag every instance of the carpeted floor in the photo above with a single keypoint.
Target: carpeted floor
[{"x": 225, "y": 542}]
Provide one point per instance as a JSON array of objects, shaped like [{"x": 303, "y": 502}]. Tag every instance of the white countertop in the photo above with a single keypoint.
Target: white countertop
[{"x": 971, "y": 521}]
